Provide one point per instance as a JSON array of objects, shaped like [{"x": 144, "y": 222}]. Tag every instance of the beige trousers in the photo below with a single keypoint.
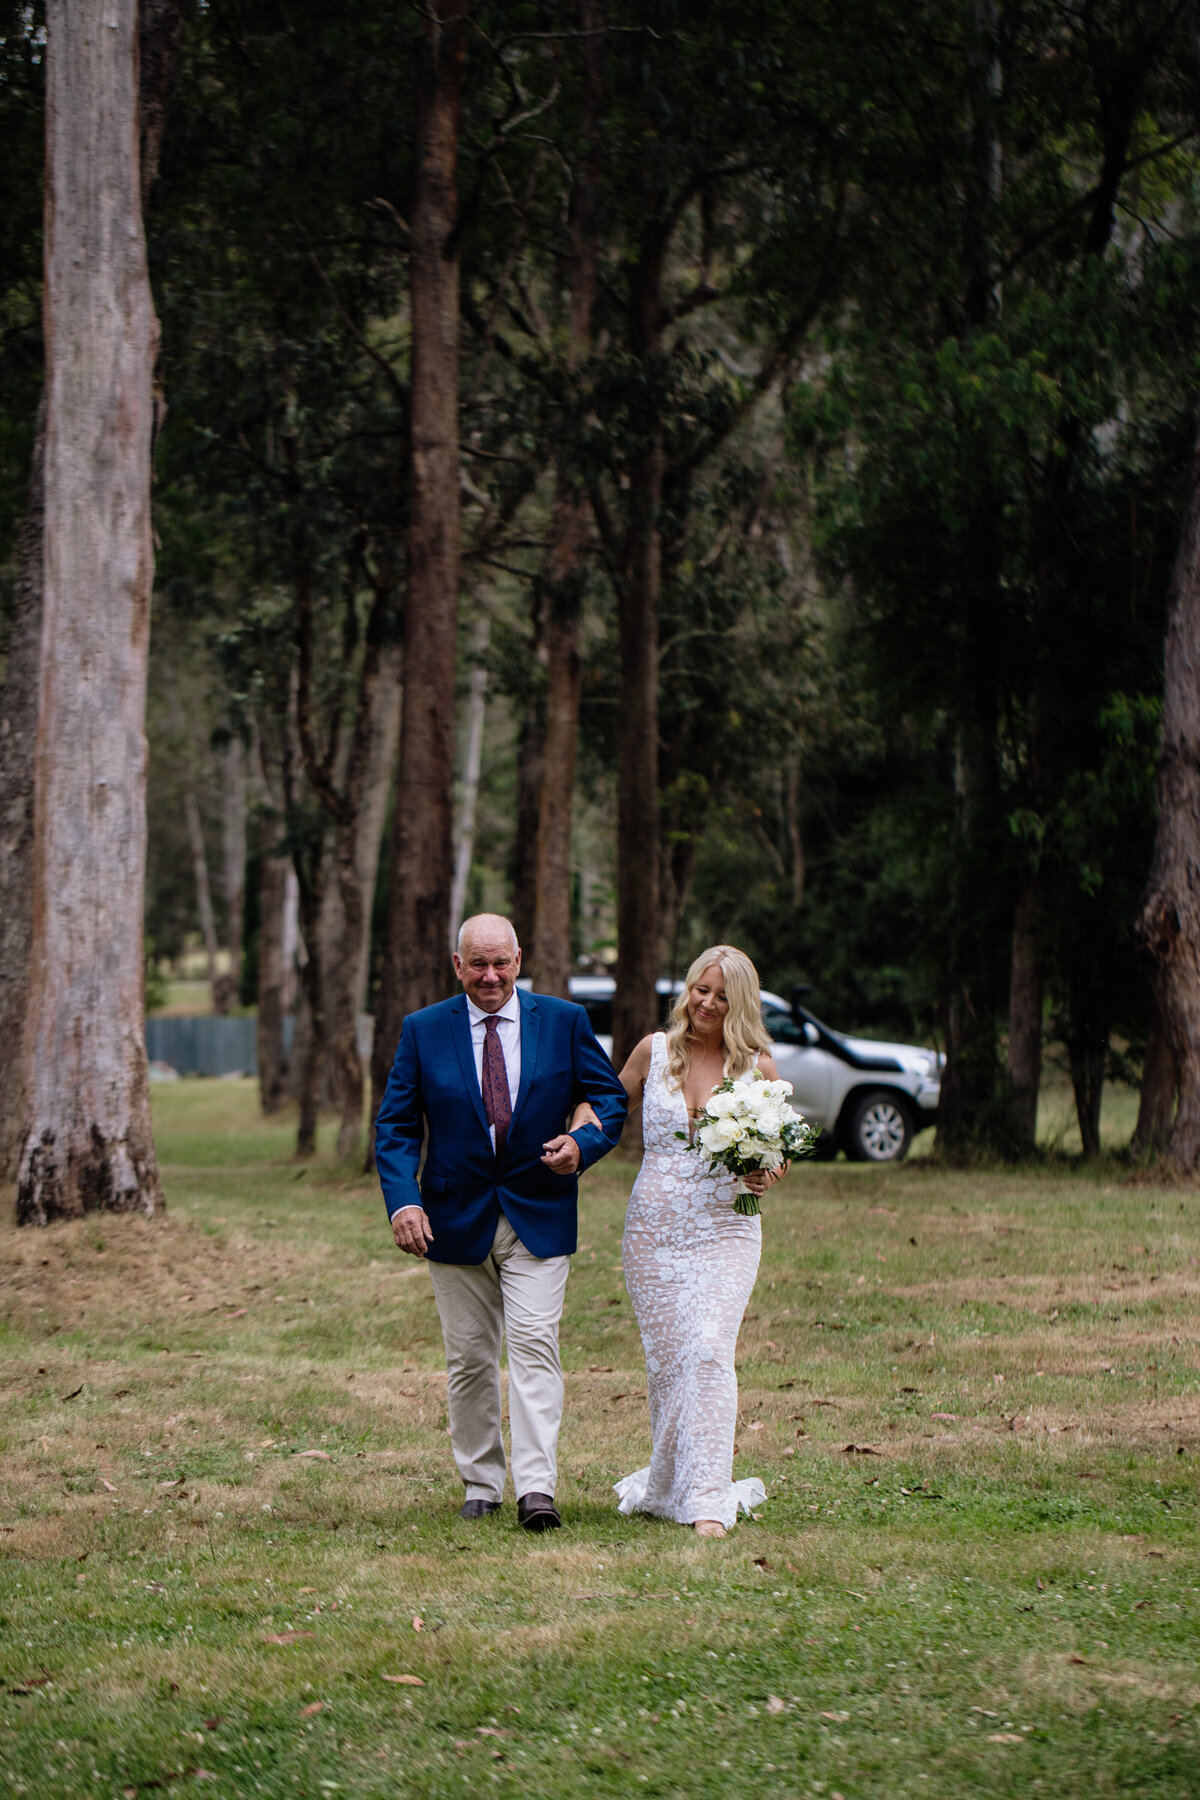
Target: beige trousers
[{"x": 519, "y": 1296}]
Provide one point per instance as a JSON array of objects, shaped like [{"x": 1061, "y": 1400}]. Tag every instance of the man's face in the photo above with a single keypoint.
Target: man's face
[{"x": 488, "y": 967}]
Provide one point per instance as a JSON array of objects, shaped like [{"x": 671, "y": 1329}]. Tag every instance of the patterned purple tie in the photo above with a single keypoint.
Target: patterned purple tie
[{"x": 497, "y": 1102}]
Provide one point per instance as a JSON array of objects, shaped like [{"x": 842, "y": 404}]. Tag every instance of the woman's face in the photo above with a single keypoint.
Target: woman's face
[{"x": 707, "y": 1005}]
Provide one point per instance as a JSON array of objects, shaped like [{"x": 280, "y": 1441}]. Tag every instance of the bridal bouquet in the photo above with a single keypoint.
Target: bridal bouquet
[{"x": 748, "y": 1126}]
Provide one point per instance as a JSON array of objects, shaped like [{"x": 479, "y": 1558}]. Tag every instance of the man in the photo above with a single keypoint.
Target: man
[{"x": 493, "y": 1075}]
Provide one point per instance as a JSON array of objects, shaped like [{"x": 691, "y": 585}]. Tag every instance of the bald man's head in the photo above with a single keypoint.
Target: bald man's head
[{"x": 488, "y": 960}]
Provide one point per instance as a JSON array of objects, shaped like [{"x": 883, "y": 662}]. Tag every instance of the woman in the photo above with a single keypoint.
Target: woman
[{"x": 690, "y": 1260}]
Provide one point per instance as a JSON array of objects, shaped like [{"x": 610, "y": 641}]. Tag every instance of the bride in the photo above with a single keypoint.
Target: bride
[{"x": 690, "y": 1260}]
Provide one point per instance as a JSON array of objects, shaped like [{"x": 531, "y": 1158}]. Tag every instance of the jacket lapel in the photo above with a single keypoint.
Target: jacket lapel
[
  {"x": 460, "y": 1030},
  {"x": 530, "y": 1027}
]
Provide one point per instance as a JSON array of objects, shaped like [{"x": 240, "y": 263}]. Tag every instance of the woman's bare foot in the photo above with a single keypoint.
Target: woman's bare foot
[{"x": 709, "y": 1528}]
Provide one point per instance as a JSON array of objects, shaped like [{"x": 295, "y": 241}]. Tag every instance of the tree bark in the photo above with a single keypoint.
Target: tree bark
[
  {"x": 416, "y": 966},
  {"x": 1156, "y": 1106},
  {"x": 566, "y": 563},
  {"x": 795, "y": 836},
  {"x": 356, "y": 855},
  {"x": 195, "y": 831},
  {"x": 233, "y": 856},
  {"x": 18, "y": 737},
  {"x": 272, "y": 1061},
  {"x": 464, "y": 830},
  {"x": 274, "y": 870},
  {"x": 87, "y": 1140},
  {"x": 531, "y": 759},
  {"x": 1025, "y": 996},
  {"x": 635, "y": 1007},
  {"x": 1168, "y": 927},
  {"x": 1087, "y": 1050}
]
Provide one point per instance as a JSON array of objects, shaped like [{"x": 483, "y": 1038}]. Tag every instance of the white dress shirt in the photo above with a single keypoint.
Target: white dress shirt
[{"x": 510, "y": 1042}]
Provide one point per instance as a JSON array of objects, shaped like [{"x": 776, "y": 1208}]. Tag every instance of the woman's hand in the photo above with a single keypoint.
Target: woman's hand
[
  {"x": 759, "y": 1180},
  {"x": 583, "y": 1115}
]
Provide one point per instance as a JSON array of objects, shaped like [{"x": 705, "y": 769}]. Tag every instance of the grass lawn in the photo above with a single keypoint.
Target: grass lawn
[{"x": 228, "y": 1509}]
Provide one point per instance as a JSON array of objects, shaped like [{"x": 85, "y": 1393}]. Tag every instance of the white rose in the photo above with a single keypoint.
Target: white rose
[{"x": 722, "y": 1105}]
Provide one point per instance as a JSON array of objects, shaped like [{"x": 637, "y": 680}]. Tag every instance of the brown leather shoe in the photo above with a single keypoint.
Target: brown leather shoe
[
  {"x": 478, "y": 1509},
  {"x": 537, "y": 1512}
]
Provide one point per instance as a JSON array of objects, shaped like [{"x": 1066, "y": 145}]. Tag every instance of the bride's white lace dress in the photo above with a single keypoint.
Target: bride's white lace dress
[{"x": 690, "y": 1263}]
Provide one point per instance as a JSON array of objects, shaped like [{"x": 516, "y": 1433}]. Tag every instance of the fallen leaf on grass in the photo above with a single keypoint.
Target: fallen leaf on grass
[
  {"x": 202, "y": 1774},
  {"x": 265, "y": 1443},
  {"x": 943, "y": 1415},
  {"x": 839, "y": 1718},
  {"x": 775, "y": 1704},
  {"x": 108, "y": 1486},
  {"x": 756, "y": 1425},
  {"x": 239, "y": 1314},
  {"x": 287, "y": 1637},
  {"x": 859, "y": 1450},
  {"x": 1005, "y": 1737},
  {"x": 490, "y": 1731},
  {"x": 314, "y": 1706},
  {"x": 1081, "y": 1660},
  {"x": 405, "y": 1680},
  {"x": 74, "y": 1394},
  {"x": 316, "y": 1455}
]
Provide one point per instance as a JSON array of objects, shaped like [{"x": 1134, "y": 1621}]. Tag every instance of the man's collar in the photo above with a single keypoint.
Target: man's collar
[{"x": 510, "y": 1010}]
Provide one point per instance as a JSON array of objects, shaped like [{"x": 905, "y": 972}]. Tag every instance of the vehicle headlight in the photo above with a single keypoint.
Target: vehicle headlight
[{"x": 927, "y": 1066}]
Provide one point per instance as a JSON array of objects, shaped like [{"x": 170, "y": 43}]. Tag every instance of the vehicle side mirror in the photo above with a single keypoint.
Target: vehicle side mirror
[{"x": 811, "y": 1034}]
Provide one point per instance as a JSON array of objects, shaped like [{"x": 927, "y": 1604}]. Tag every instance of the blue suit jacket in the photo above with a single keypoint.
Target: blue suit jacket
[{"x": 464, "y": 1186}]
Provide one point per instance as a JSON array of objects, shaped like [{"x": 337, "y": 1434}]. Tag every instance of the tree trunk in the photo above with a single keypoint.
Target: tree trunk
[
  {"x": 464, "y": 830},
  {"x": 233, "y": 852},
  {"x": 1087, "y": 1050},
  {"x": 356, "y": 855},
  {"x": 416, "y": 966},
  {"x": 310, "y": 1046},
  {"x": 531, "y": 759},
  {"x": 275, "y": 869},
  {"x": 87, "y": 1142},
  {"x": 1156, "y": 1107},
  {"x": 1025, "y": 993},
  {"x": 970, "y": 1078},
  {"x": 1168, "y": 927},
  {"x": 195, "y": 830},
  {"x": 18, "y": 737},
  {"x": 635, "y": 1008},
  {"x": 565, "y": 569},
  {"x": 272, "y": 1062},
  {"x": 204, "y": 909},
  {"x": 795, "y": 837}
]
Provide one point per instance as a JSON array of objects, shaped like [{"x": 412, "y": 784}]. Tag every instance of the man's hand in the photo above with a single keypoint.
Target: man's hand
[
  {"x": 411, "y": 1230},
  {"x": 562, "y": 1154}
]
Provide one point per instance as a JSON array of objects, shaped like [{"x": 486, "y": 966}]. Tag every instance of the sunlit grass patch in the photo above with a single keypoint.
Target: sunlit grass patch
[{"x": 228, "y": 1499}]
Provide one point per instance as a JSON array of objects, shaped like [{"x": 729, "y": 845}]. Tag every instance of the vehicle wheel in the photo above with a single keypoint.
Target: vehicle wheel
[{"x": 880, "y": 1129}]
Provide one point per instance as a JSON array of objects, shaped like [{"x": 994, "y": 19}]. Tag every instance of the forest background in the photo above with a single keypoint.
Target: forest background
[{"x": 671, "y": 474}]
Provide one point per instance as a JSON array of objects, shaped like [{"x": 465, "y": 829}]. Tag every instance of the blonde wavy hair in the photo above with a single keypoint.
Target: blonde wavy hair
[{"x": 745, "y": 1034}]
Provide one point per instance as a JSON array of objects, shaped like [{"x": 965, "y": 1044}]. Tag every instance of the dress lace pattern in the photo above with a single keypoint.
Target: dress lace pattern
[{"x": 690, "y": 1263}]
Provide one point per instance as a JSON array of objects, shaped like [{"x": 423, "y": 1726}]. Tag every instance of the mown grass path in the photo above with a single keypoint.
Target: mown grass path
[{"x": 227, "y": 1514}]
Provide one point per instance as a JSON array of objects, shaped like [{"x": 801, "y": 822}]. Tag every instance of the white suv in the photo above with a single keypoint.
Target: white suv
[{"x": 869, "y": 1099}]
